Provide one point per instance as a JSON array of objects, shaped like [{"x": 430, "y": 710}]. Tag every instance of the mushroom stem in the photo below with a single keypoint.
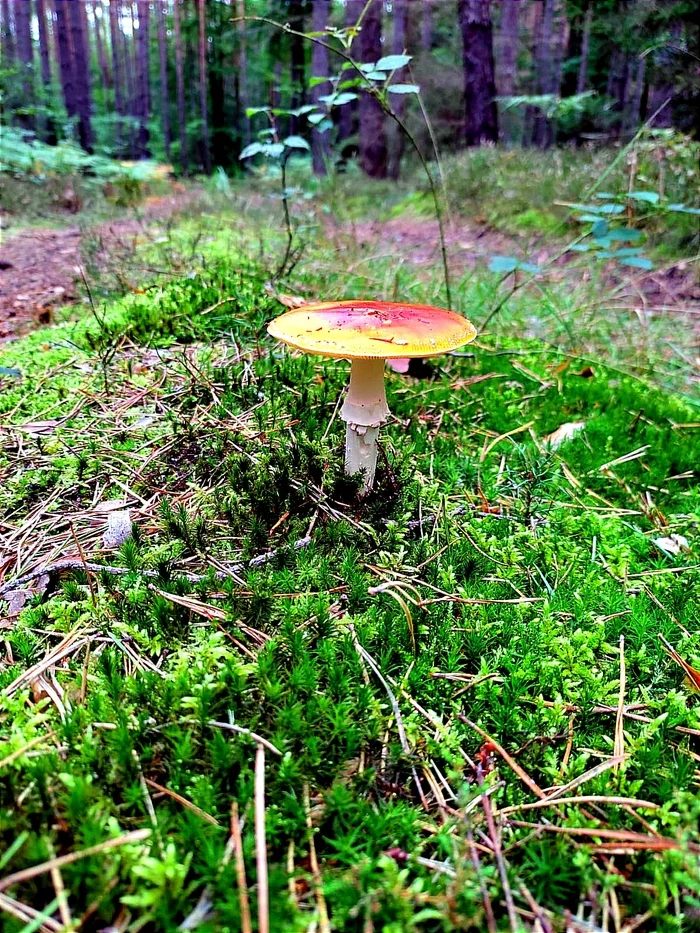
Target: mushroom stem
[{"x": 365, "y": 410}]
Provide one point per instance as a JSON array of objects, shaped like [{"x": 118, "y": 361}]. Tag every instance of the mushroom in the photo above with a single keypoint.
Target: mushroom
[{"x": 367, "y": 333}]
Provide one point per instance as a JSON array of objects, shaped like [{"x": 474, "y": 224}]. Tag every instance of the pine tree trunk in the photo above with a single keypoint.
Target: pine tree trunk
[
  {"x": 9, "y": 53},
  {"x": 129, "y": 77},
  {"x": 163, "y": 58},
  {"x": 426, "y": 26},
  {"x": 143, "y": 94},
  {"x": 543, "y": 131},
  {"x": 206, "y": 151},
  {"x": 398, "y": 103},
  {"x": 48, "y": 126},
  {"x": 217, "y": 94},
  {"x": 65, "y": 58},
  {"x": 297, "y": 62},
  {"x": 243, "y": 70},
  {"x": 81, "y": 72},
  {"x": 98, "y": 15},
  {"x": 481, "y": 114},
  {"x": 585, "y": 46},
  {"x": 635, "y": 103},
  {"x": 508, "y": 63},
  {"x": 320, "y": 144},
  {"x": 180, "y": 79},
  {"x": 373, "y": 152},
  {"x": 117, "y": 71},
  {"x": 25, "y": 58},
  {"x": 347, "y": 121}
]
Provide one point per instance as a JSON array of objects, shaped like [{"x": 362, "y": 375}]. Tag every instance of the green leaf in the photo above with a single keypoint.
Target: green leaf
[
  {"x": 337, "y": 100},
  {"x": 579, "y": 247},
  {"x": 251, "y": 150},
  {"x": 315, "y": 81},
  {"x": 503, "y": 264},
  {"x": 682, "y": 209},
  {"x": 300, "y": 111},
  {"x": 273, "y": 150},
  {"x": 403, "y": 89},
  {"x": 612, "y": 209},
  {"x": 587, "y": 218},
  {"x": 600, "y": 228},
  {"x": 638, "y": 262},
  {"x": 618, "y": 253},
  {"x": 529, "y": 267},
  {"x": 10, "y": 371},
  {"x": 650, "y": 197},
  {"x": 296, "y": 142},
  {"x": 392, "y": 62},
  {"x": 625, "y": 235},
  {"x": 603, "y": 195},
  {"x": 251, "y": 111},
  {"x": 315, "y": 118},
  {"x": 375, "y": 76}
]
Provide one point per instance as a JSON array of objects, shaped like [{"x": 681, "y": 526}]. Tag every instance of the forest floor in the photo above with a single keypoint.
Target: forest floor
[{"x": 228, "y": 681}]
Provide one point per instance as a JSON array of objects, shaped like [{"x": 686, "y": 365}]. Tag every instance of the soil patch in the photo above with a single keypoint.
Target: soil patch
[{"x": 40, "y": 268}]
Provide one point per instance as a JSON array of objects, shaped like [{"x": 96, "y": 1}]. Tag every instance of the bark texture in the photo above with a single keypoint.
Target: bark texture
[
  {"x": 117, "y": 71},
  {"x": 297, "y": 60},
  {"x": 347, "y": 121},
  {"x": 373, "y": 149},
  {"x": 163, "y": 61},
  {"x": 481, "y": 114},
  {"x": 9, "y": 52},
  {"x": 243, "y": 71},
  {"x": 585, "y": 47},
  {"x": 543, "y": 132},
  {"x": 398, "y": 101},
  {"x": 25, "y": 58},
  {"x": 143, "y": 91},
  {"x": 507, "y": 62},
  {"x": 320, "y": 143},
  {"x": 203, "y": 111},
  {"x": 98, "y": 14},
  {"x": 180, "y": 81}
]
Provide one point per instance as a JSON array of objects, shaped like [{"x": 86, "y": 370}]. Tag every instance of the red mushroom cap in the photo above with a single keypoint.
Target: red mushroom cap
[{"x": 369, "y": 330}]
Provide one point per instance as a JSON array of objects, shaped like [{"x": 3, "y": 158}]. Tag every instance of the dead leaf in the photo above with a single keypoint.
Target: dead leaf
[
  {"x": 586, "y": 373},
  {"x": 565, "y": 432}
]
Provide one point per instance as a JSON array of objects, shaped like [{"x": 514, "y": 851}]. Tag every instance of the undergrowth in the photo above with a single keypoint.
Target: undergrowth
[{"x": 499, "y": 582}]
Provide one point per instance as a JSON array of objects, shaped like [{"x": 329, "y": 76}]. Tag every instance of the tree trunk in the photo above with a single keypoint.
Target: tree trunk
[
  {"x": 426, "y": 26},
  {"x": 180, "y": 79},
  {"x": 9, "y": 53},
  {"x": 618, "y": 78},
  {"x": 129, "y": 77},
  {"x": 508, "y": 63},
  {"x": 163, "y": 57},
  {"x": 320, "y": 144},
  {"x": 543, "y": 132},
  {"x": 206, "y": 152},
  {"x": 25, "y": 58},
  {"x": 398, "y": 103},
  {"x": 48, "y": 126},
  {"x": 220, "y": 144},
  {"x": 561, "y": 41},
  {"x": 81, "y": 73},
  {"x": 243, "y": 70},
  {"x": 634, "y": 109},
  {"x": 65, "y": 58},
  {"x": 98, "y": 15},
  {"x": 347, "y": 120},
  {"x": 481, "y": 114},
  {"x": 297, "y": 58},
  {"x": 585, "y": 46},
  {"x": 117, "y": 71},
  {"x": 373, "y": 153},
  {"x": 143, "y": 92}
]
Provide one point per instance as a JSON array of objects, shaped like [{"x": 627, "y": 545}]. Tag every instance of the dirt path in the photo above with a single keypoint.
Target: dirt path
[{"x": 40, "y": 267}]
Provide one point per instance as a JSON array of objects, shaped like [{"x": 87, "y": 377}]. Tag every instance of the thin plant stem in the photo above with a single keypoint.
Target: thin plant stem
[{"x": 387, "y": 109}]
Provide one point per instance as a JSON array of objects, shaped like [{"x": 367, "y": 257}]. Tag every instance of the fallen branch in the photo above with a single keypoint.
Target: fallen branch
[{"x": 62, "y": 566}]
